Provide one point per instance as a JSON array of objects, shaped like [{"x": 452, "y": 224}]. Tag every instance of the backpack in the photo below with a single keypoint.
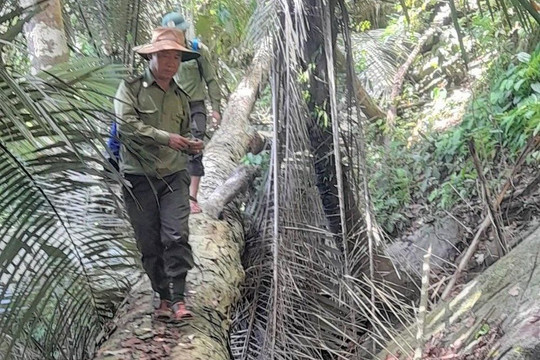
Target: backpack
[
  {"x": 195, "y": 46},
  {"x": 113, "y": 142}
]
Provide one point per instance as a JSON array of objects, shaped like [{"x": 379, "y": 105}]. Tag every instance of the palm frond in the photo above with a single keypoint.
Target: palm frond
[
  {"x": 298, "y": 302},
  {"x": 67, "y": 254},
  {"x": 112, "y": 28},
  {"x": 378, "y": 57},
  {"x": 260, "y": 23}
]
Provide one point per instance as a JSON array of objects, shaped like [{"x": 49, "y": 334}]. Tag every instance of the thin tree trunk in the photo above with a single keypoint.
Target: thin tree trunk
[
  {"x": 399, "y": 78},
  {"x": 45, "y": 34}
]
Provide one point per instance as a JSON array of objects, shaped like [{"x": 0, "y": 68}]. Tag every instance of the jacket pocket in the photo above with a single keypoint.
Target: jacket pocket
[{"x": 148, "y": 116}]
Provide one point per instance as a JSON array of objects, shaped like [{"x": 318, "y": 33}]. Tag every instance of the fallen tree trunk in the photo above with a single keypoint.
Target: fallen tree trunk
[
  {"x": 494, "y": 315},
  {"x": 237, "y": 183},
  {"x": 213, "y": 284},
  {"x": 235, "y": 136},
  {"x": 399, "y": 78}
]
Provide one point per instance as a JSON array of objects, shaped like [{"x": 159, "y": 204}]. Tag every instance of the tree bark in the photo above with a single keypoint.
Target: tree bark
[
  {"x": 237, "y": 183},
  {"x": 234, "y": 137},
  {"x": 45, "y": 34},
  {"x": 217, "y": 245},
  {"x": 504, "y": 297}
]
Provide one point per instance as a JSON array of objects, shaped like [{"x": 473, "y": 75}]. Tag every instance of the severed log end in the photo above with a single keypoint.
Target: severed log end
[
  {"x": 236, "y": 184},
  {"x": 257, "y": 143}
]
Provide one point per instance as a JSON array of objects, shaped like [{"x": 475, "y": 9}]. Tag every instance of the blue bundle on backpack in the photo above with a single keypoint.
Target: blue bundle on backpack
[
  {"x": 195, "y": 44},
  {"x": 114, "y": 146}
]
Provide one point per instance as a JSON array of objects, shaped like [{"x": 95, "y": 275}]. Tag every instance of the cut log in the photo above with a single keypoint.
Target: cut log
[
  {"x": 213, "y": 284},
  {"x": 236, "y": 184},
  {"x": 497, "y": 313}
]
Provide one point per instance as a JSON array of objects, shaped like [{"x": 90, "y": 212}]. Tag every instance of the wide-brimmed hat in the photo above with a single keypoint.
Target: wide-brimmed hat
[
  {"x": 175, "y": 19},
  {"x": 166, "y": 38}
]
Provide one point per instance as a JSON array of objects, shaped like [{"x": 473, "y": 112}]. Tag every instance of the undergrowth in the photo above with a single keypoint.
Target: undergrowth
[{"x": 503, "y": 115}]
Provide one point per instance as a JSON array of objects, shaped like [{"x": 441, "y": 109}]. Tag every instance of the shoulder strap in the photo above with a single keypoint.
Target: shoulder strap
[
  {"x": 199, "y": 66},
  {"x": 191, "y": 46}
]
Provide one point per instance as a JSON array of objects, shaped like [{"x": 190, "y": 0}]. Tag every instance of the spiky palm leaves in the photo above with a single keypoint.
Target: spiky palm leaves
[
  {"x": 111, "y": 28},
  {"x": 300, "y": 301},
  {"x": 65, "y": 253},
  {"x": 308, "y": 293}
]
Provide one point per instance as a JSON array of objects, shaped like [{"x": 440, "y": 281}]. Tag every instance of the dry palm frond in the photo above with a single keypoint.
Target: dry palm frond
[
  {"x": 299, "y": 301},
  {"x": 379, "y": 56}
]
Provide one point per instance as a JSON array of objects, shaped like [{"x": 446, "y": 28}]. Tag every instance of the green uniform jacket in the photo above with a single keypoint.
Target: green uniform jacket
[
  {"x": 146, "y": 116},
  {"x": 190, "y": 78}
]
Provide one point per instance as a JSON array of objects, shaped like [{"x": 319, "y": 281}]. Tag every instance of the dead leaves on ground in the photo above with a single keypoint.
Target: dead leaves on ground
[
  {"x": 478, "y": 349},
  {"x": 147, "y": 343}
]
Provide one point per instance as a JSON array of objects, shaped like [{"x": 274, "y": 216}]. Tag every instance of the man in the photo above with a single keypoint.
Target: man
[
  {"x": 154, "y": 131},
  {"x": 190, "y": 77}
]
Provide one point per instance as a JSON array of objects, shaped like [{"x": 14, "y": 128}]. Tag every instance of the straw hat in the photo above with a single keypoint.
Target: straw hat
[{"x": 166, "y": 38}]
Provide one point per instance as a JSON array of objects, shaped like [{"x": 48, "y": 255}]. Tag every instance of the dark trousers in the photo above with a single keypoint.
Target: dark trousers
[
  {"x": 159, "y": 213},
  {"x": 198, "y": 129}
]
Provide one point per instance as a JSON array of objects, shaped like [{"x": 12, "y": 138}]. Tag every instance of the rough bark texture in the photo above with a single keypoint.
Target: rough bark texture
[
  {"x": 234, "y": 138},
  {"x": 224, "y": 194},
  {"x": 217, "y": 245},
  {"x": 212, "y": 287},
  {"x": 45, "y": 34},
  {"x": 503, "y": 299}
]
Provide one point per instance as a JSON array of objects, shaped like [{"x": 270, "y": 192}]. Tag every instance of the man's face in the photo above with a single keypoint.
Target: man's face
[{"x": 164, "y": 64}]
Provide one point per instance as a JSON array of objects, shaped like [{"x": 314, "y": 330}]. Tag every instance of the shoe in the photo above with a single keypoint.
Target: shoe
[
  {"x": 180, "y": 312},
  {"x": 163, "y": 312},
  {"x": 194, "y": 206}
]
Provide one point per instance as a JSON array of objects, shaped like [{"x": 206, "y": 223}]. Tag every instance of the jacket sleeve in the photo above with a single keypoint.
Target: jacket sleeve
[
  {"x": 210, "y": 78},
  {"x": 131, "y": 126}
]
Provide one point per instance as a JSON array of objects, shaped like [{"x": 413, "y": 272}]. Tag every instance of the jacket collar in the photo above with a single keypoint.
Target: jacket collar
[{"x": 149, "y": 80}]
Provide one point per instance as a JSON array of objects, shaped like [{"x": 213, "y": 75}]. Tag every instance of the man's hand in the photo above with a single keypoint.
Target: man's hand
[
  {"x": 178, "y": 142},
  {"x": 195, "y": 146},
  {"x": 217, "y": 118}
]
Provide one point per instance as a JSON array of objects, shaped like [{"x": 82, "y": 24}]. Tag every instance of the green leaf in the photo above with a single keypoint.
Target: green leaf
[
  {"x": 484, "y": 330},
  {"x": 536, "y": 87},
  {"x": 59, "y": 225},
  {"x": 524, "y": 57},
  {"x": 518, "y": 84}
]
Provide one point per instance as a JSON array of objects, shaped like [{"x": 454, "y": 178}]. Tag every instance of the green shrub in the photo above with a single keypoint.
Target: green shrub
[{"x": 439, "y": 170}]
